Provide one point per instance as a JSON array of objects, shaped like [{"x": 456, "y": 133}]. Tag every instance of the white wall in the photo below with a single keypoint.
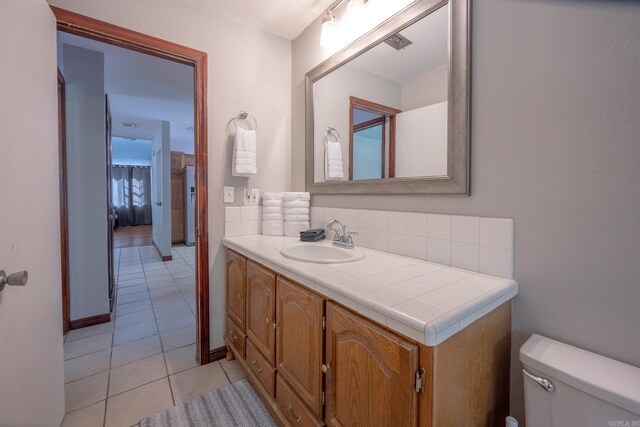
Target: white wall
[
  {"x": 331, "y": 106},
  {"x": 248, "y": 70},
  {"x": 136, "y": 153},
  {"x": 427, "y": 89},
  {"x": 31, "y": 366},
  {"x": 554, "y": 145},
  {"x": 421, "y": 141},
  {"x": 161, "y": 189},
  {"x": 86, "y": 182}
]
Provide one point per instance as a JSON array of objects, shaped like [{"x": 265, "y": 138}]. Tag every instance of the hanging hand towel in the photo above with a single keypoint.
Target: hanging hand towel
[
  {"x": 333, "y": 169},
  {"x": 244, "y": 161}
]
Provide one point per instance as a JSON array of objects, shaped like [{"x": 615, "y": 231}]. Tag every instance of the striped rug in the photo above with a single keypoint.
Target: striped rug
[{"x": 234, "y": 405}]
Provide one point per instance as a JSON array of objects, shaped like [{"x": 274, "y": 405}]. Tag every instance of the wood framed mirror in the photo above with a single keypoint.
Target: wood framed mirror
[{"x": 399, "y": 96}]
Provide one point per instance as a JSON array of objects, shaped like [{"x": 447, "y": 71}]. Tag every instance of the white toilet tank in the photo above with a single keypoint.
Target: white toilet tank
[{"x": 583, "y": 390}]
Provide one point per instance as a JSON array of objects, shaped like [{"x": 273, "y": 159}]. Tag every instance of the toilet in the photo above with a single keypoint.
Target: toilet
[{"x": 565, "y": 386}]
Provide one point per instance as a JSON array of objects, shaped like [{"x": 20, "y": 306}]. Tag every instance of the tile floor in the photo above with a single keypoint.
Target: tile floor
[{"x": 143, "y": 361}]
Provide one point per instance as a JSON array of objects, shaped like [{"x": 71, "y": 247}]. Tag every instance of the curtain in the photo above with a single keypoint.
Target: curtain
[{"x": 131, "y": 195}]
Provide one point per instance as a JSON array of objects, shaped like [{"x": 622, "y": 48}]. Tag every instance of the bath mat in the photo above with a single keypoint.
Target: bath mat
[{"x": 234, "y": 405}]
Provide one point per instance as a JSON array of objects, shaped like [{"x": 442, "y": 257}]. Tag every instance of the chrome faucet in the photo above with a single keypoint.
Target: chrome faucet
[{"x": 341, "y": 236}]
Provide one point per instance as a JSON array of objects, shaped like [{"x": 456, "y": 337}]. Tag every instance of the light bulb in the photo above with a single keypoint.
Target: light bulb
[
  {"x": 355, "y": 6},
  {"x": 329, "y": 31}
]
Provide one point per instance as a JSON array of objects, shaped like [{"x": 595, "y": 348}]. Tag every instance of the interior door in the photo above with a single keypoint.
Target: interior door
[
  {"x": 111, "y": 214},
  {"x": 64, "y": 221},
  {"x": 31, "y": 386}
]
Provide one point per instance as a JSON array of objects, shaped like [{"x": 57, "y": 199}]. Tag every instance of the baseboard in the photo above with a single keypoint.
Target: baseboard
[
  {"x": 89, "y": 321},
  {"x": 164, "y": 258},
  {"x": 218, "y": 354}
]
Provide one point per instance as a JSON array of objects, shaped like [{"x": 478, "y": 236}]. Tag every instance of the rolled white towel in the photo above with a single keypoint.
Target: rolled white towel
[
  {"x": 296, "y": 211},
  {"x": 273, "y": 202},
  {"x": 272, "y": 209},
  {"x": 273, "y": 228},
  {"x": 293, "y": 229},
  {"x": 271, "y": 195},
  {"x": 296, "y": 218},
  {"x": 273, "y": 217},
  {"x": 289, "y": 196},
  {"x": 296, "y": 204}
]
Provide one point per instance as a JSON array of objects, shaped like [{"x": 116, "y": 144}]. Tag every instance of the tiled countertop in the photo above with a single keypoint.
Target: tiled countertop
[{"x": 425, "y": 301}]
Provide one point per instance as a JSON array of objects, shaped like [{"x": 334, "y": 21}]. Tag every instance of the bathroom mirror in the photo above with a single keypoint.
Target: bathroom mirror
[{"x": 389, "y": 114}]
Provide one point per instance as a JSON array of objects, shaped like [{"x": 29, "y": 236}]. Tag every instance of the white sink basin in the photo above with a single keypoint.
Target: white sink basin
[{"x": 321, "y": 254}]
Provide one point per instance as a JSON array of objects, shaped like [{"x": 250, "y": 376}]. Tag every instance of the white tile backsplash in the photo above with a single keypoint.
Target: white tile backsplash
[
  {"x": 242, "y": 220},
  {"x": 472, "y": 243}
]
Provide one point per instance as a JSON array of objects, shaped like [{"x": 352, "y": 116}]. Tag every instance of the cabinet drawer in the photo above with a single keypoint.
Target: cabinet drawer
[
  {"x": 292, "y": 408},
  {"x": 236, "y": 337},
  {"x": 261, "y": 368}
]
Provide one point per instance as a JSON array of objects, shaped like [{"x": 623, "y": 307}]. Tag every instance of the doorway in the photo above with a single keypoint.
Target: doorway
[{"x": 75, "y": 24}]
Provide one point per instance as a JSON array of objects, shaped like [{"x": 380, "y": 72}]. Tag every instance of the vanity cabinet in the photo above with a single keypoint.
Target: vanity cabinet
[
  {"x": 261, "y": 309},
  {"x": 314, "y": 362},
  {"x": 299, "y": 342},
  {"x": 370, "y": 373},
  {"x": 236, "y": 289}
]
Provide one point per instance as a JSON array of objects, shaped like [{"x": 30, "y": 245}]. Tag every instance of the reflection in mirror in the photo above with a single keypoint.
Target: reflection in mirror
[{"x": 391, "y": 105}]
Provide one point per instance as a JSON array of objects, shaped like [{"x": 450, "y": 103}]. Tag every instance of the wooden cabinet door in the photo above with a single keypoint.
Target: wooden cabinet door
[
  {"x": 236, "y": 289},
  {"x": 370, "y": 375},
  {"x": 299, "y": 344},
  {"x": 261, "y": 309}
]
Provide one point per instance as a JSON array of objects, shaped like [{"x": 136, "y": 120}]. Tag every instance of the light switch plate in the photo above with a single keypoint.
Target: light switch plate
[
  {"x": 251, "y": 197},
  {"x": 228, "y": 195}
]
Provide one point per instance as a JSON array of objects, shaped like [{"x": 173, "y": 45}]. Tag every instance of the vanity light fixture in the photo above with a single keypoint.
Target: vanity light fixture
[{"x": 330, "y": 33}]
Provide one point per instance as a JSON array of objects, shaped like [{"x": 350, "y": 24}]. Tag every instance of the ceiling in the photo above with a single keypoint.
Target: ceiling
[
  {"x": 144, "y": 90},
  {"x": 285, "y": 18},
  {"x": 429, "y": 50}
]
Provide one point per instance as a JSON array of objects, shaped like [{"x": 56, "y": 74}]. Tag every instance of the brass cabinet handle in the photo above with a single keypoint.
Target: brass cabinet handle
[
  {"x": 293, "y": 416},
  {"x": 241, "y": 295},
  {"x": 268, "y": 320},
  {"x": 255, "y": 367},
  {"x": 274, "y": 325},
  {"x": 325, "y": 368},
  {"x": 232, "y": 335}
]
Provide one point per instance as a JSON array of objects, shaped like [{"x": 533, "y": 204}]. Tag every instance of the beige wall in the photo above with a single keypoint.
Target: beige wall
[
  {"x": 31, "y": 366},
  {"x": 427, "y": 89},
  {"x": 248, "y": 70},
  {"x": 555, "y": 146}
]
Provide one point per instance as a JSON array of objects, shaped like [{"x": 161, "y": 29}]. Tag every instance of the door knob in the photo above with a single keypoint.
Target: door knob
[{"x": 16, "y": 279}]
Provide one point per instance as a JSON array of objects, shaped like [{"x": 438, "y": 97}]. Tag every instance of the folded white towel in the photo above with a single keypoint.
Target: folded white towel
[
  {"x": 244, "y": 161},
  {"x": 273, "y": 203},
  {"x": 296, "y": 218},
  {"x": 333, "y": 168},
  {"x": 293, "y": 229},
  {"x": 296, "y": 204},
  {"x": 291, "y": 196},
  {"x": 273, "y": 217},
  {"x": 270, "y": 195},
  {"x": 272, "y": 209},
  {"x": 296, "y": 211},
  {"x": 273, "y": 228}
]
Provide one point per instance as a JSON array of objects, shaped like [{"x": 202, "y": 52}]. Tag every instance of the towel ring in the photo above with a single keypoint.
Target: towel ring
[
  {"x": 331, "y": 131},
  {"x": 244, "y": 115}
]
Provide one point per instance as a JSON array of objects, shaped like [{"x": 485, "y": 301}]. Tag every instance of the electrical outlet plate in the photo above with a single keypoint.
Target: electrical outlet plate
[
  {"x": 251, "y": 197},
  {"x": 228, "y": 194}
]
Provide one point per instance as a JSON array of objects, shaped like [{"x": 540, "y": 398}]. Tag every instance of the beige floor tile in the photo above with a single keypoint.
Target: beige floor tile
[
  {"x": 233, "y": 370},
  {"x": 131, "y": 319},
  {"x": 85, "y": 366},
  {"x": 195, "y": 382},
  {"x": 135, "y": 332},
  {"x": 179, "y": 321},
  {"x": 172, "y": 309},
  {"x": 128, "y": 408},
  {"x": 91, "y": 416},
  {"x": 181, "y": 359},
  {"x": 178, "y": 338},
  {"x": 135, "y": 350},
  {"x": 166, "y": 300},
  {"x": 189, "y": 280},
  {"x": 89, "y": 331},
  {"x": 132, "y": 290},
  {"x": 160, "y": 284},
  {"x": 137, "y": 373},
  {"x": 131, "y": 282},
  {"x": 133, "y": 297},
  {"x": 164, "y": 291},
  {"x": 87, "y": 345},
  {"x": 133, "y": 307},
  {"x": 86, "y": 391}
]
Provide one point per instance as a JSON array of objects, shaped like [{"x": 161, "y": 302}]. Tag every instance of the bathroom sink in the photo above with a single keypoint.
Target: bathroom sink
[{"x": 321, "y": 254}]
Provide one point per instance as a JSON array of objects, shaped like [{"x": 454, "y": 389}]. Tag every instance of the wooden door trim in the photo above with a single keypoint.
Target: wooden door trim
[
  {"x": 64, "y": 215},
  {"x": 89, "y": 321},
  {"x": 85, "y": 26}
]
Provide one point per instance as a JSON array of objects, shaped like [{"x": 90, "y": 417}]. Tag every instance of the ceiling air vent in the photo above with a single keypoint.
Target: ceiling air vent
[{"x": 398, "y": 41}]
